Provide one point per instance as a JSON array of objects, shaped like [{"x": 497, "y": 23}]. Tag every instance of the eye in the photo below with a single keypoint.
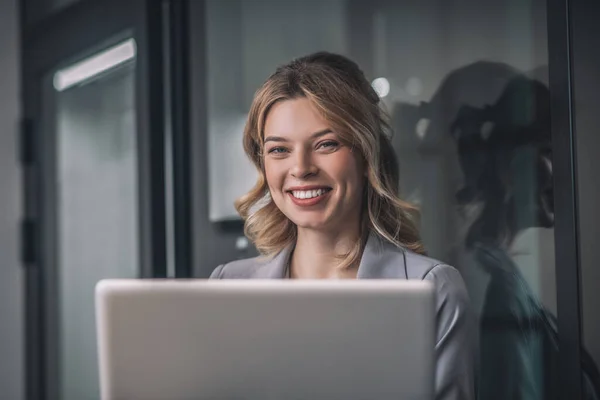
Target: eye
[
  {"x": 328, "y": 145},
  {"x": 277, "y": 150}
]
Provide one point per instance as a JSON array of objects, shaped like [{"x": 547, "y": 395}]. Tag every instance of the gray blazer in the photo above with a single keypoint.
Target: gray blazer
[{"x": 456, "y": 327}]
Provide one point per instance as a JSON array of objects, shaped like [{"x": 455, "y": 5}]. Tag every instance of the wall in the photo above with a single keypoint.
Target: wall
[
  {"x": 36, "y": 10},
  {"x": 11, "y": 284}
]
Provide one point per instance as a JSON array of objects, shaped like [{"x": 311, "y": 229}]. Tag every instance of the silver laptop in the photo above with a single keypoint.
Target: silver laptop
[{"x": 267, "y": 340}]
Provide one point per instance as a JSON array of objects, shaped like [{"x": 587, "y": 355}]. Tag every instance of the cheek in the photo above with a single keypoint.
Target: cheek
[
  {"x": 349, "y": 169},
  {"x": 273, "y": 176}
]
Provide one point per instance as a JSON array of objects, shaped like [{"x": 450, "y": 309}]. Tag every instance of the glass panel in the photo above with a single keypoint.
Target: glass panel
[
  {"x": 97, "y": 204},
  {"x": 585, "y": 83},
  {"x": 465, "y": 84}
]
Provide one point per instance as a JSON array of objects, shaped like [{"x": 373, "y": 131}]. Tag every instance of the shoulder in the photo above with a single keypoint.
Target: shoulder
[
  {"x": 450, "y": 287},
  {"x": 239, "y": 269},
  {"x": 456, "y": 326},
  {"x": 422, "y": 267}
]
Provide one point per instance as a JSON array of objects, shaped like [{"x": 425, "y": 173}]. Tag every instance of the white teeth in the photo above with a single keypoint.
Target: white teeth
[{"x": 307, "y": 194}]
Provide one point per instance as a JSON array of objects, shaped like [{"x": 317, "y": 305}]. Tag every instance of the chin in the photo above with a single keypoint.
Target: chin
[
  {"x": 309, "y": 224},
  {"x": 315, "y": 221}
]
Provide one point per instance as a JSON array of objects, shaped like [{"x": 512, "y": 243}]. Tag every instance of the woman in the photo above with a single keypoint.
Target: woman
[{"x": 326, "y": 205}]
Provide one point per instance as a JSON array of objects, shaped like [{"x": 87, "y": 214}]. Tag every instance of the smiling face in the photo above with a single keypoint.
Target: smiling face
[{"x": 314, "y": 178}]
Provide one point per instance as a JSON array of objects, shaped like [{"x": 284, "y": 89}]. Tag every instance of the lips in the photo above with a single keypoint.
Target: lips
[{"x": 308, "y": 195}]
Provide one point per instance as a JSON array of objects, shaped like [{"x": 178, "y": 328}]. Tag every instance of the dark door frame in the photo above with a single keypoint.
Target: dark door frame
[
  {"x": 76, "y": 31},
  {"x": 567, "y": 229},
  {"x": 178, "y": 61}
]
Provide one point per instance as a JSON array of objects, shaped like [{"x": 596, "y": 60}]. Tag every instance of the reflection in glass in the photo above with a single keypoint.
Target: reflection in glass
[{"x": 503, "y": 150}]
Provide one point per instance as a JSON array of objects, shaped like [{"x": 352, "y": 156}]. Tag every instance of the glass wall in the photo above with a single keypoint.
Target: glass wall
[
  {"x": 96, "y": 183},
  {"x": 465, "y": 84}
]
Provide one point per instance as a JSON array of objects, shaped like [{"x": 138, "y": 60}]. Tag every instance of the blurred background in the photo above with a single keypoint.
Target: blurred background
[{"x": 120, "y": 154}]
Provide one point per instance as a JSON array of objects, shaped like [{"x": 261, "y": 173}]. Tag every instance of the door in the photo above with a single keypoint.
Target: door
[{"x": 93, "y": 155}]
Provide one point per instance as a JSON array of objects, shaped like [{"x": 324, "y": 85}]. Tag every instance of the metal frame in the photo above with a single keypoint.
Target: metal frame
[
  {"x": 565, "y": 197},
  {"x": 150, "y": 123},
  {"x": 180, "y": 130},
  {"x": 77, "y": 31}
]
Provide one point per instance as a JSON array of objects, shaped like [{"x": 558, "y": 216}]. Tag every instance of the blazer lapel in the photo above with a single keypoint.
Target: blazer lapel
[
  {"x": 381, "y": 260},
  {"x": 276, "y": 267}
]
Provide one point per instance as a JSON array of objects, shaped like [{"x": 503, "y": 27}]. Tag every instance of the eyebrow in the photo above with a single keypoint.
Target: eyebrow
[{"x": 313, "y": 136}]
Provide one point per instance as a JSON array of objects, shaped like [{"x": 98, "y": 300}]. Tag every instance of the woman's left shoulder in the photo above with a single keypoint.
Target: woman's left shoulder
[
  {"x": 445, "y": 277},
  {"x": 422, "y": 267},
  {"x": 457, "y": 335}
]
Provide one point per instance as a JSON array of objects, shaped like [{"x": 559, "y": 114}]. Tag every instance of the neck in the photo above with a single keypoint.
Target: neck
[{"x": 316, "y": 254}]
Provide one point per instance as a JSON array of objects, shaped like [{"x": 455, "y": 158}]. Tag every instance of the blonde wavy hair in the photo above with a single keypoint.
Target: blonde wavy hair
[{"x": 340, "y": 91}]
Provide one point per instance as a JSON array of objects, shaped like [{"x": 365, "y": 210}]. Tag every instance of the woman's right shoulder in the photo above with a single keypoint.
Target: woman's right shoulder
[{"x": 239, "y": 269}]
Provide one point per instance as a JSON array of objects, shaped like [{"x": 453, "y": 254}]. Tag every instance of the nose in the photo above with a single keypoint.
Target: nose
[{"x": 303, "y": 165}]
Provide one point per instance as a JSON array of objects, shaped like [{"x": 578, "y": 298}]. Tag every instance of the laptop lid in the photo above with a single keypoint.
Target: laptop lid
[{"x": 276, "y": 339}]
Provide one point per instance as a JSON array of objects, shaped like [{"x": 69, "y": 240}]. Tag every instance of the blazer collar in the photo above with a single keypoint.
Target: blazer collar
[
  {"x": 380, "y": 260},
  {"x": 276, "y": 267}
]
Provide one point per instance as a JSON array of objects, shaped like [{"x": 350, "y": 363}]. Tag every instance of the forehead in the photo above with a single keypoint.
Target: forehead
[{"x": 294, "y": 118}]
